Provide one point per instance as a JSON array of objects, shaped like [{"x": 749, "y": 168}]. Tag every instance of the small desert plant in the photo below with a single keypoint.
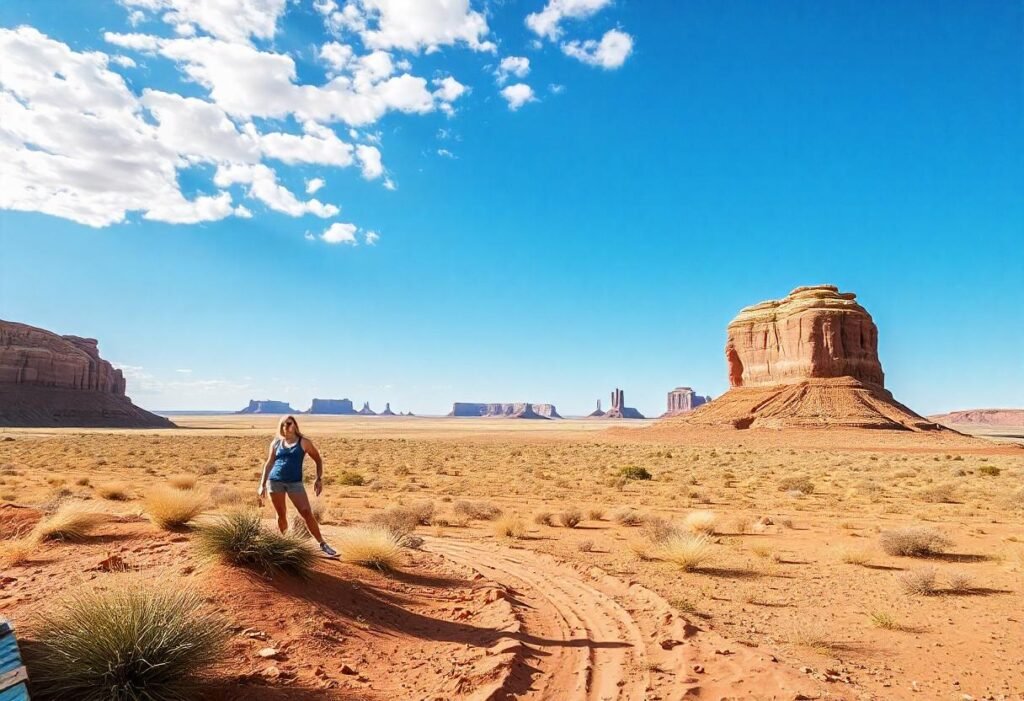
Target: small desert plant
[
  {"x": 809, "y": 633},
  {"x": 913, "y": 541},
  {"x": 570, "y": 518},
  {"x": 223, "y": 494},
  {"x": 132, "y": 643},
  {"x": 688, "y": 552},
  {"x": 182, "y": 481},
  {"x": 628, "y": 517},
  {"x": 399, "y": 520},
  {"x": 881, "y": 619},
  {"x": 72, "y": 521},
  {"x": 701, "y": 522},
  {"x": 299, "y": 528},
  {"x": 595, "y": 513},
  {"x": 585, "y": 546},
  {"x": 350, "y": 478},
  {"x": 476, "y": 510},
  {"x": 16, "y": 551},
  {"x": 509, "y": 526},
  {"x": 960, "y": 582},
  {"x": 796, "y": 483},
  {"x": 239, "y": 538},
  {"x": 920, "y": 581},
  {"x": 939, "y": 494},
  {"x": 113, "y": 491},
  {"x": 989, "y": 470},
  {"x": 851, "y": 556},
  {"x": 544, "y": 518},
  {"x": 635, "y": 472},
  {"x": 370, "y": 546},
  {"x": 169, "y": 507}
]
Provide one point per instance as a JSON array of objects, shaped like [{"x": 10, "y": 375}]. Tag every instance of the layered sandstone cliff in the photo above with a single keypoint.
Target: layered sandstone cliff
[
  {"x": 267, "y": 406},
  {"x": 808, "y": 360},
  {"x": 982, "y": 417},
  {"x": 331, "y": 406},
  {"x": 515, "y": 410},
  {"x": 52, "y": 380}
]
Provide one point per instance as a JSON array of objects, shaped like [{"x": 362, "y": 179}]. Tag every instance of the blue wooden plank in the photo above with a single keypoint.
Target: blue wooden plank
[
  {"x": 10, "y": 658},
  {"x": 15, "y": 693},
  {"x": 11, "y": 669}
]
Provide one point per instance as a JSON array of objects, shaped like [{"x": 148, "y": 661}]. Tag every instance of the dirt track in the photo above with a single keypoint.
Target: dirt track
[{"x": 591, "y": 637}]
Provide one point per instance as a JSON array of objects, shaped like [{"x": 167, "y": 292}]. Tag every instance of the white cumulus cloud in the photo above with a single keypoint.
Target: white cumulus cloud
[
  {"x": 546, "y": 22},
  {"x": 231, "y": 20},
  {"x": 313, "y": 185},
  {"x": 340, "y": 232},
  {"x": 512, "y": 66},
  {"x": 611, "y": 52},
  {"x": 412, "y": 25},
  {"x": 517, "y": 95}
]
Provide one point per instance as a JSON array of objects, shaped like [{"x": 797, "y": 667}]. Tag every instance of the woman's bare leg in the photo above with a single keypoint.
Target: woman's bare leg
[
  {"x": 301, "y": 502},
  {"x": 281, "y": 507}
]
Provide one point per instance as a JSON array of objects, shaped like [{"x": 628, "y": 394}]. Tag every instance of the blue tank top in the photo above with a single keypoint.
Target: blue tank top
[{"x": 288, "y": 464}]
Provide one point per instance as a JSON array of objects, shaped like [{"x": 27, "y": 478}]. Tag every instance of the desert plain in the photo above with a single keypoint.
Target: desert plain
[{"x": 536, "y": 557}]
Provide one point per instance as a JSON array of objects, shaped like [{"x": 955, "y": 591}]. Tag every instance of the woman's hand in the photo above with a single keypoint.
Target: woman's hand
[
  {"x": 261, "y": 491},
  {"x": 318, "y": 486}
]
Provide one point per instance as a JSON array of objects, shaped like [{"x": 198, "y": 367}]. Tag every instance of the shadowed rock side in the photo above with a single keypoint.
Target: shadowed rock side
[
  {"x": 331, "y": 406},
  {"x": 366, "y": 410},
  {"x": 267, "y": 406},
  {"x": 52, "y": 380},
  {"x": 682, "y": 400},
  {"x": 387, "y": 410},
  {"x": 809, "y": 360},
  {"x": 619, "y": 409},
  {"x": 514, "y": 410}
]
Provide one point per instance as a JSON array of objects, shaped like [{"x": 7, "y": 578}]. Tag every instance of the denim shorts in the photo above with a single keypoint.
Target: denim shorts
[{"x": 285, "y": 487}]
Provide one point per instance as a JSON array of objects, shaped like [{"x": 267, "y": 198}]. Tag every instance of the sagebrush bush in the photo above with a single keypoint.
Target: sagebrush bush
[
  {"x": 131, "y": 643},
  {"x": 544, "y": 518},
  {"x": 170, "y": 507},
  {"x": 370, "y": 546},
  {"x": 939, "y": 494},
  {"x": 72, "y": 521},
  {"x": 476, "y": 510},
  {"x": 920, "y": 581},
  {"x": 627, "y": 516},
  {"x": 350, "y": 478},
  {"x": 239, "y": 538},
  {"x": 399, "y": 520},
  {"x": 509, "y": 526},
  {"x": 595, "y": 513},
  {"x": 913, "y": 541},
  {"x": 960, "y": 582},
  {"x": 796, "y": 483},
  {"x": 635, "y": 472},
  {"x": 570, "y": 518}
]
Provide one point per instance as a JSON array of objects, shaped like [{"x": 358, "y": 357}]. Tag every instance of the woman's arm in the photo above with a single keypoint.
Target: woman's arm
[
  {"x": 261, "y": 491},
  {"x": 312, "y": 452}
]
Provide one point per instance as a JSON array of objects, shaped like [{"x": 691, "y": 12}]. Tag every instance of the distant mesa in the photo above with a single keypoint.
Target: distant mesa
[
  {"x": 387, "y": 410},
  {"x": 809, "y": 360},
  {"x": 619, "y": 409},
  {"x": 332, "y": 406},
  {"x": 516, "y": 410},
  {"x": 51, "y": 380},
  {"x": 683, "y": 400},
  {"x": 981, "y": 417},
  {"x": 267, "y": 406},
  {"x": 366, "y": 410}
]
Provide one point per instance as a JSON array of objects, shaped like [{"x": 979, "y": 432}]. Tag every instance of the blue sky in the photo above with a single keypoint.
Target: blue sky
[{"x": 666, "y": 165}]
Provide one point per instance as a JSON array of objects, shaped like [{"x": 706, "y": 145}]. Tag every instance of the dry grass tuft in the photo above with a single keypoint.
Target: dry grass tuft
[
  {"x": 960, "y": 582},
  {"x": 881, "y": 619},
  {"x": 939, "y": 494},
  {"x": 72, "y": 521},
  {"x": 226, "y": 495},
  {"x": 182, "y": 481},
  {"x": 169, "y": 507},
  {"x": 913, "y": 541},
  {"x": 131, "y": 643},
  {"x": 113, "y": 491},
  {"x": 855, "y": 556},
  {"x": 810, "y": 634},
  {"x": 403, "y": 520},
  {"x": 687, "y": 552},
  {"x": 595, "y": 513},
  {"x": 796, "y": 483},
  {"x": 370, "y": 546},
  {"x": 702, "y": 522},
  {"x": 544, "y": 518},
  {"x": 920, "y": 581},
  {"x": 627, "y": 516},
  {"x": 476, "y": 510},
  {"x": 240, "y": 539},
  {"x": 570, "y": 518},
  {"x": 17, "y": 551},
  {"x": 509, "y": 526}
]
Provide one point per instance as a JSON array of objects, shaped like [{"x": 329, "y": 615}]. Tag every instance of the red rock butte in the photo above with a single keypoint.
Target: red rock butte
[
  {"x": 52, "y": 380},
  {"x": 808, "y": 360}
]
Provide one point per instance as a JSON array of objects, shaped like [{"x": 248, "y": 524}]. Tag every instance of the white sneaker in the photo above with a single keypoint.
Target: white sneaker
[{"x": 329, "y": 551}]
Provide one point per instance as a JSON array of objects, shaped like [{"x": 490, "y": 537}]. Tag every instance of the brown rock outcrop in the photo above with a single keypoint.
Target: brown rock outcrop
[
  {"x": 512, "y": 410},
  {"x": 52, "y": 380},
  {"x": 982, "y": 417},
  {"x": 682, "y": 400},
  {"x": 809, "y": 360},
  {"x": 619, "y": 409}
]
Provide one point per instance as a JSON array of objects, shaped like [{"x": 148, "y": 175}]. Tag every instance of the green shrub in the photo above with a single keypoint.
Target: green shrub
[
  {"x": 132, "y": 643},
  {"x": 635, "y": 472},
  {"x": 239, "y": 538}
]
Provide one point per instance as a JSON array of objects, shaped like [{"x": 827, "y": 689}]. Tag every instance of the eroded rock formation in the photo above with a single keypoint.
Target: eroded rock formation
[
  {"x": 515, "y": 410},
  {"x": 387, "y": 410},
  {"x": 808, "y": 360},
  {"x": 267, "y": 406},
  {"x": 52, "y": 380},
  {"x": 366, "y": 410},
  {"x": 683, "y": 400},
  {"x": 619, "y": 409},
  {"x": 331, "y": 406},
  {"x": 596, "y": 413}
]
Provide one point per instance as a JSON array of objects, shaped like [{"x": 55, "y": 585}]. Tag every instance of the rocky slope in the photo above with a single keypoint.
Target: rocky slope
[
  {"x": 52, "y": 380},
  {"x": 808, "y": 360}
]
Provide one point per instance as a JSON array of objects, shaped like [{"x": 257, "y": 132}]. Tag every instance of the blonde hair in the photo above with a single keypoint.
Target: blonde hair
[{"x": 280, "y": 427}]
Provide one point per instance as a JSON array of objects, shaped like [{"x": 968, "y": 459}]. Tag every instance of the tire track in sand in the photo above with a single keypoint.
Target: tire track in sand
[{"x": 588, "y": 636}]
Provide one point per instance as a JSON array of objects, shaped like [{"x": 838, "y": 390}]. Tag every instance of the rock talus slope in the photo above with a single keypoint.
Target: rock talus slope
[
  {"x": 808, "y": 360},
  {"x": 52, "y": 380}
]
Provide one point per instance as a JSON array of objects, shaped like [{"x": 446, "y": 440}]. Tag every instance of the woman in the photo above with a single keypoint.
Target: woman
[{"x": 283, "y": 469}]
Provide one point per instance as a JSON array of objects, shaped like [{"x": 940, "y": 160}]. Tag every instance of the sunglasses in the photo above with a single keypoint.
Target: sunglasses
[{"x": 288, "y": 423}]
